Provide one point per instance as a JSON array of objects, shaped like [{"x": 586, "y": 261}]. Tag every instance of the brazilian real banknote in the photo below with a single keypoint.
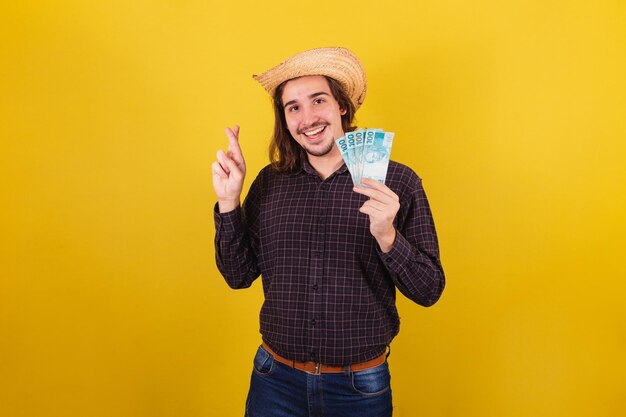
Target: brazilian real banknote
[
  {"x": 366, "y": 153},
  {"x": 376, "y": 152},
  {"x": 346, "y": 148}
]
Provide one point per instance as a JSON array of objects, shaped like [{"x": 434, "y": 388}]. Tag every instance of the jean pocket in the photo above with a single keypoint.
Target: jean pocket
[
  {"x": 263, "y": 362},
  {"x": 372, "y": 381}
]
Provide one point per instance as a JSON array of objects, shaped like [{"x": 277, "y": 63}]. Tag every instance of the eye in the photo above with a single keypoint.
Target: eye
[
  {"x": 292, "y": 108},
  {"x": 318, "y": 100}
]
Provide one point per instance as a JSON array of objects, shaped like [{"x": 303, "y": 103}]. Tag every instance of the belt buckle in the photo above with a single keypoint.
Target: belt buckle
[{"x": 318, "y": 369}]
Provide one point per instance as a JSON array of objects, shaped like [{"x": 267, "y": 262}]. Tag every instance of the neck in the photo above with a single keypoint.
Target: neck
[{"x": 327, "y": 164}]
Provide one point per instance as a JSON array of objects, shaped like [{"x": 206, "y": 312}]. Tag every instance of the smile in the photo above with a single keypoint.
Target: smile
[{"x": 314, "y": 132}]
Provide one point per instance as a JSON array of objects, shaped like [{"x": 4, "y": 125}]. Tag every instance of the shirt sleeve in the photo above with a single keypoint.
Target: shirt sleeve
[
  {"x": 236, "y": 242},
  {"x": 413, "y": 261}
]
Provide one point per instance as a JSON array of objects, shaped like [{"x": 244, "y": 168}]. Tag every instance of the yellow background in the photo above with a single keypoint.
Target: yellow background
[{"x": 111, "y": 112}]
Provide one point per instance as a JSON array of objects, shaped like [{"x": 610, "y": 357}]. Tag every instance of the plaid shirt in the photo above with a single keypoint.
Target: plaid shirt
[{"x": 329, "y": 290}]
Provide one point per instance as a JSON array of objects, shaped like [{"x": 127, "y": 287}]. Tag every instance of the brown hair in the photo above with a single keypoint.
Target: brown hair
[{"x": 285, "y": 153}]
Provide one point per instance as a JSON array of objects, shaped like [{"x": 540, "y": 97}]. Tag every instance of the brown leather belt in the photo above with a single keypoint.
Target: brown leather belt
[{"x": 319, "y": 368}]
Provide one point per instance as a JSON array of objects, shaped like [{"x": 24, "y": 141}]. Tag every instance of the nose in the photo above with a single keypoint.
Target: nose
[{"x": 309, "y": 116}]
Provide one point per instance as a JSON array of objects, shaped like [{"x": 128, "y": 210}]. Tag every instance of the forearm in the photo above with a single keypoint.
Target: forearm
[
  {"x": 417, "y": 273},
  {"x": 225, "y": 206},
  {"x": 385, "y": 242},
  {"x": 234, "y": 252}
]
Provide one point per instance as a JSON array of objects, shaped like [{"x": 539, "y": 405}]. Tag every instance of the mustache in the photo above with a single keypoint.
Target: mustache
[{"x": 319, "y": 123}]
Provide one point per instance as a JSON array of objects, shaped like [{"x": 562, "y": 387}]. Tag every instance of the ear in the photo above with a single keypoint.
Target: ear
[{"x": 342, "y": 111}]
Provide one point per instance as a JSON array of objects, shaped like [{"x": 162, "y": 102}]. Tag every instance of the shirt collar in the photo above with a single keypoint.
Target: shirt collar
[{"x": 308, "y": 168}]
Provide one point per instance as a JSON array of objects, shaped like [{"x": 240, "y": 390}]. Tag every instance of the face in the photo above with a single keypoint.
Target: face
[{"x": 313, "y": 115}]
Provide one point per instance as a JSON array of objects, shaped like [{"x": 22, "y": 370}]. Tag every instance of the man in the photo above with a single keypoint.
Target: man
[{"x": 330, "y": 254}]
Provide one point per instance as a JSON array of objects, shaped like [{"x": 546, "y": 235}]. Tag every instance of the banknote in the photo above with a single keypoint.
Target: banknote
[
  {"x": 366, "y": 133},
  {"x": 347, "y": 153},
  {"x": 376, "y": 152},
  {"x": 351, "y": 162},
  {"x": 366, "y": 153},
  {"x": 359, "y": 137}
]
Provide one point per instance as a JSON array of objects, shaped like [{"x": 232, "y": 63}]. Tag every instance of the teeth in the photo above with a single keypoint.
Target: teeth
[{"x": 314, "y": 132}]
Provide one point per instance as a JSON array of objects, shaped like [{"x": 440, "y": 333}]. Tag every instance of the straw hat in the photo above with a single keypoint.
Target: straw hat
[{"x": 338, "y": 63}]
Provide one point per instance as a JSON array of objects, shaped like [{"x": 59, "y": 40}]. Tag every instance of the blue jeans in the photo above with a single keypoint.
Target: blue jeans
[{"x": 277, "y": 390}]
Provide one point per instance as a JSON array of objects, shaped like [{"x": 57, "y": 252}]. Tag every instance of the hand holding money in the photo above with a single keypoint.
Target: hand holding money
[
  {"x": 366, "y": 154},
  {"x": 382, "y": 207},
  {"x": 229, "y": 172}
]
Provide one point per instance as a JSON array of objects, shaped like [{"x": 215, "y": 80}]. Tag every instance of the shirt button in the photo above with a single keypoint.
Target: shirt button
[
  {"x": 314, "y": 287},
  {"x": 313, "y": 322}
]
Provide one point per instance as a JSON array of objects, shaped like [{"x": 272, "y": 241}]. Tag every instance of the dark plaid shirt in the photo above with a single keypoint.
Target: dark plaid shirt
[{"x": 329, "y": 290}]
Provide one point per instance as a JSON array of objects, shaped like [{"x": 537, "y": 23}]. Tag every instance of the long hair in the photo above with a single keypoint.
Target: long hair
[{"x": 285, "y": 153}]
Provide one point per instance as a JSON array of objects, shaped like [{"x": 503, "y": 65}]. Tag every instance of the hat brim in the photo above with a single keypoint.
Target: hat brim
[{"x": 340, "y": 64}]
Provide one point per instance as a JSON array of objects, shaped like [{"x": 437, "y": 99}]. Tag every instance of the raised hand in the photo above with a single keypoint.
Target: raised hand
[
  {"x": 229, "y": 172},
  {"x": 381, "y": 208}
]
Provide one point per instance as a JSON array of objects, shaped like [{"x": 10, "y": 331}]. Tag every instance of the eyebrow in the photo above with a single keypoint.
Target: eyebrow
[{"x": 320, "y": 93}]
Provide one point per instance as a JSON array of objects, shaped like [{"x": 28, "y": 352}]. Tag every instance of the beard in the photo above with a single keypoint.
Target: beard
[
  {"x": 314, "y": 150},
  {"x": 320, "y": 152}
]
